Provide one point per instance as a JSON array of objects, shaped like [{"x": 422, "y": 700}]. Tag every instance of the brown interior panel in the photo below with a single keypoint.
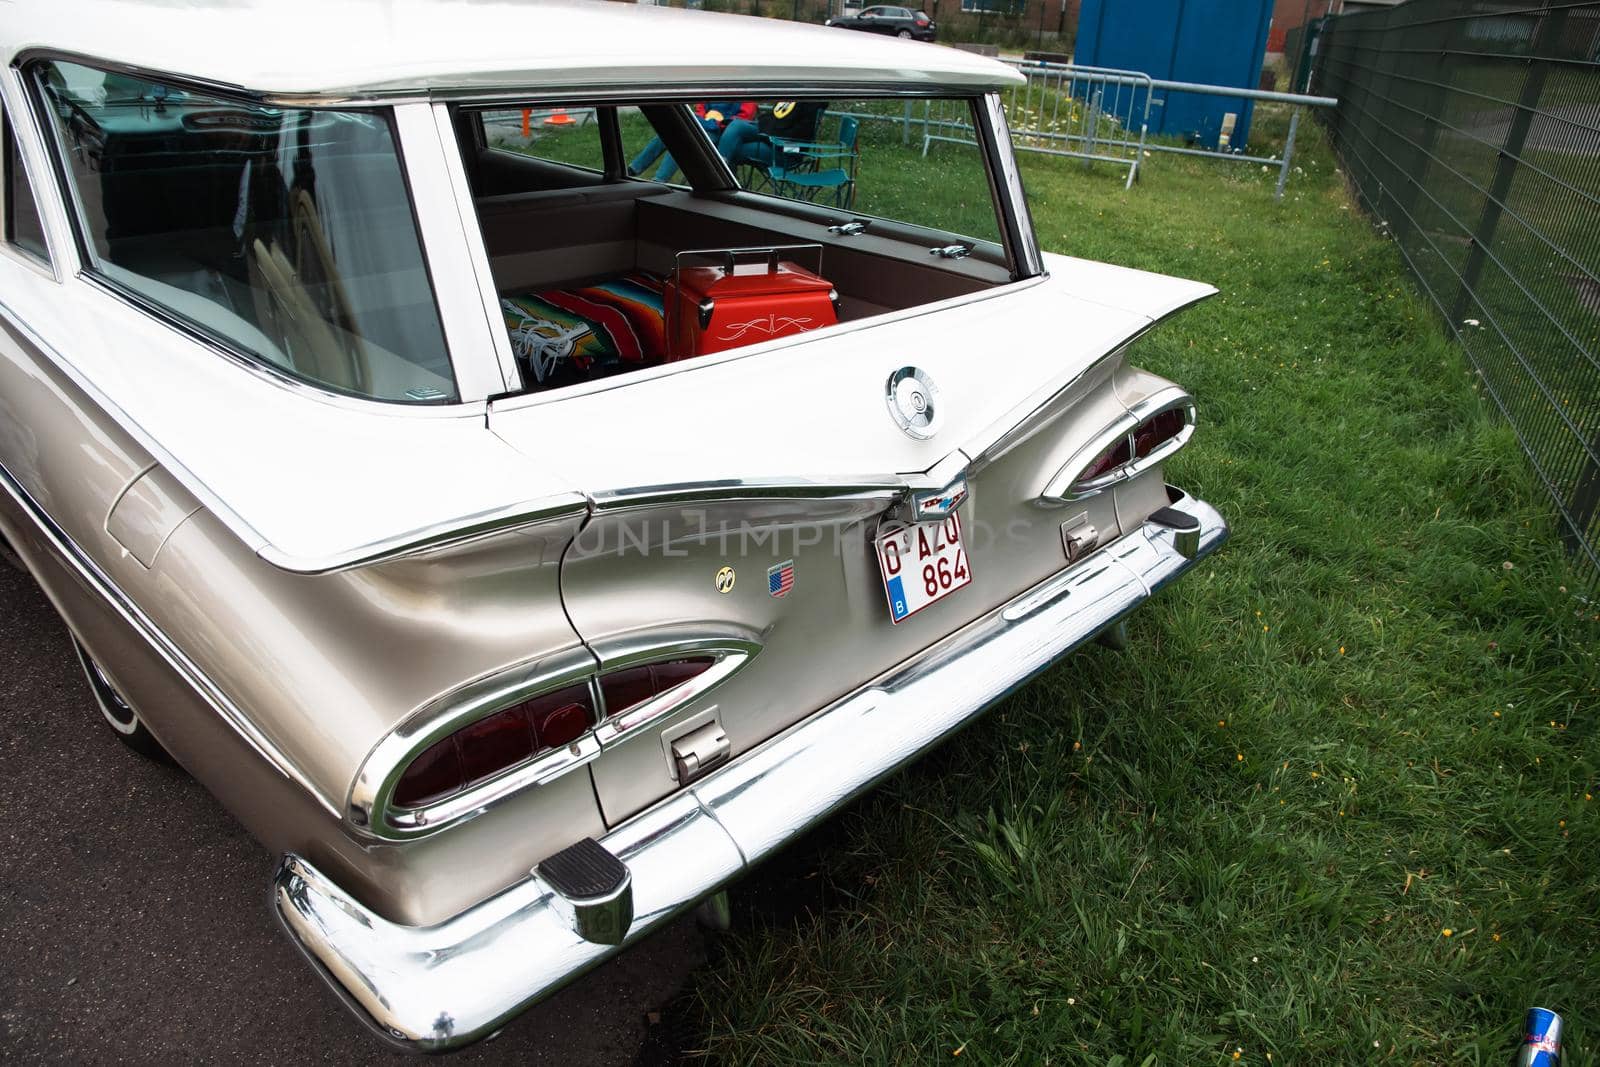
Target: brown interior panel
[{"x": 555, "y": 237}]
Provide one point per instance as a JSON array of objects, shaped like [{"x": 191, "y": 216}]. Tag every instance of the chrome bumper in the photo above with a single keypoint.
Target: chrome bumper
[{"x": 440, "y": 987}]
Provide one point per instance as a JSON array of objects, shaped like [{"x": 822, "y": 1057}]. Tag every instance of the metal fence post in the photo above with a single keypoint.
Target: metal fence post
[
  {"x": 1288, "y": 153},
  {"x": 1552, "y": 21}
]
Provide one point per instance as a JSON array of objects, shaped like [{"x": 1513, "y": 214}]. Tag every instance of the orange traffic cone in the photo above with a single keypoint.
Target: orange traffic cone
[{"x": 560, "y": 118}]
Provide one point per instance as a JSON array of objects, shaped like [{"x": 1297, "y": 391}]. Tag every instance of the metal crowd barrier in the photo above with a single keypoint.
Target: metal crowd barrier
[{"x": 1097, "y": 115}]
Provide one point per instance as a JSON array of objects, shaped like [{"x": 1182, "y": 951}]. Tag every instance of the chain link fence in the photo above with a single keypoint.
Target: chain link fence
[{"x": 1471, "y": 130}]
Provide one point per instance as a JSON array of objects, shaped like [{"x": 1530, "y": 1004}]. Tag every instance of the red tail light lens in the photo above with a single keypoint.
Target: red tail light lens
[
  {"x": 493, "y": 744},
  {"x": 921, "y": 19},
  {"x": 433, "y": 775},
  {"x": 625, "y": 688},
  {"x": 634, "y": 685},
  {"x": 561, "y": 726},
  {"x": 496, "y": 743},
  {"x": 1108, "y": 461},
  {"x": 1159, "y": 428}
]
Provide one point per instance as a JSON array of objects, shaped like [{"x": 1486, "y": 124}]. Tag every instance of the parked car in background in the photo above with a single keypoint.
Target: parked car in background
[
  {"x": 890, "y": 21},
  {"x": 521, "y": 549}
]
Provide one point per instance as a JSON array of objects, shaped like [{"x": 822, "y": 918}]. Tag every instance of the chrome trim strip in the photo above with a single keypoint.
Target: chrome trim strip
[
  {"x": 446, "y": 534},
  {"x": 1067, "y": 484},
  {"x": 725, "y": 489},
  {"x": 1006, "y": 181},
  {"x": 549, "y": 92},
  {"x": 70, "y": 553},
  {"x": 874, "y": 487},
  {"x": 728, "y": 660},
  {"x": 444, "y": 986}
]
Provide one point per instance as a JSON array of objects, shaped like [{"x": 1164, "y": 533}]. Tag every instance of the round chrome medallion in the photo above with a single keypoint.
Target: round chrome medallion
[{"x": 914, "y": 402}]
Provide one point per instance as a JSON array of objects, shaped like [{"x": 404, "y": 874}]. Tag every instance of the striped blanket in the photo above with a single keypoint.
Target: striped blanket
[{"x": 575, "y": 334}]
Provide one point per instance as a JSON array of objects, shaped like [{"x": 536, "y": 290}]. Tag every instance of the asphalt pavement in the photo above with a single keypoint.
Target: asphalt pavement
[{"x": 133, "y": 910}]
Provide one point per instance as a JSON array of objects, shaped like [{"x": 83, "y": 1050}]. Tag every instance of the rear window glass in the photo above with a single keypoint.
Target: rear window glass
[
  {"x": 286, "y": 233},
  {"x": 914, "y": 161}
]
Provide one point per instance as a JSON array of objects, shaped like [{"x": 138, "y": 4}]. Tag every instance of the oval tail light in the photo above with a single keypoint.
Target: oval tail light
[{"x": 1150, "y": 440}]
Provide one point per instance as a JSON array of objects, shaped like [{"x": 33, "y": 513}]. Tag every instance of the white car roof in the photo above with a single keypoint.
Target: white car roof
[{"x": 363, "y": 48}]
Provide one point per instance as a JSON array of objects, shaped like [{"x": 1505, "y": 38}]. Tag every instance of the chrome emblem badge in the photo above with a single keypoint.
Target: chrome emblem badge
[
  {"x": 914, "y": 402},
  {"x": 725, "y": 579},
  {"x": 939, "y": 503}
]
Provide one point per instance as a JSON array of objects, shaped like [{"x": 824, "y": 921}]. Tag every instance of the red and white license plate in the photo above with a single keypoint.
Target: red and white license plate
[{"x": 922, "y": 563}]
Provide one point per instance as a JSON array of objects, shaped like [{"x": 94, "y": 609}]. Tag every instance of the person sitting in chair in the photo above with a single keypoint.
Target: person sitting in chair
[
  {"x": 714, "y": 116},
  {"x": 745, "y": 142}
]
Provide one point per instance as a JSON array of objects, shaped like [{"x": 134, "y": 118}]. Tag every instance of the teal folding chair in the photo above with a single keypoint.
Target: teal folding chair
[{"x": 809, "y": 179}]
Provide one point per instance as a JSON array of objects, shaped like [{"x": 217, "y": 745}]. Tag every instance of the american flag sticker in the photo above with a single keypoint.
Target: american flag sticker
[{"x": 780, "y": 579}]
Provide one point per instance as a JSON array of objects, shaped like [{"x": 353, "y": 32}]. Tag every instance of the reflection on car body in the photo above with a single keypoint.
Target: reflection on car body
[{"x": 891, "y": 21}]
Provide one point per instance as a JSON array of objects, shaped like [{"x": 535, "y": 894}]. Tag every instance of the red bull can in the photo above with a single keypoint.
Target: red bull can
[{"x": 1541, "y": 1042}]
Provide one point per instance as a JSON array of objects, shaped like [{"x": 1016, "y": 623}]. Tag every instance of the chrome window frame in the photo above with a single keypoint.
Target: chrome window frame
[{"x": 461, "y": 330}]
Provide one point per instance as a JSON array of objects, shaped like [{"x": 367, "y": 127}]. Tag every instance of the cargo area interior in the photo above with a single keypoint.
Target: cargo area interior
[{"x": 562, "y": 238}]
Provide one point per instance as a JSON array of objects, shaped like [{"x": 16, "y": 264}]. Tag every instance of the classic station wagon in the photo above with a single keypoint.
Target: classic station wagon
[{"x": 530, "y": 461}]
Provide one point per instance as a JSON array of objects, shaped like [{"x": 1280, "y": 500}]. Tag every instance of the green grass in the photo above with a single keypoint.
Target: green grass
[{"x": 1365, "y": 722}]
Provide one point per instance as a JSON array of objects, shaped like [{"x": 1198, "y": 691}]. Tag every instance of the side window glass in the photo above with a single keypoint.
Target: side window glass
[
  {"x": 555, "y": 135},
  {"x": 23, "y": 227},
  {"x": 647, "y": 156},
  {"x": 286, "y": 233}
]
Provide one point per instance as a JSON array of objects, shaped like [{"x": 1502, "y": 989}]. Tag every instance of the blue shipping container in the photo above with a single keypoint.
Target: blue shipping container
[{"x": 1215, "y": 42}]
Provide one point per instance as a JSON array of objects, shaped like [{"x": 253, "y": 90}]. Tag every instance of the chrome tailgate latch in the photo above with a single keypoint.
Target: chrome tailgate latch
[{"x": 695, "y": 753}]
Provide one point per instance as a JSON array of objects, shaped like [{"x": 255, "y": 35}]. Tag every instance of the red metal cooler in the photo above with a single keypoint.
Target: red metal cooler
[{"x": 748, "y": 296}]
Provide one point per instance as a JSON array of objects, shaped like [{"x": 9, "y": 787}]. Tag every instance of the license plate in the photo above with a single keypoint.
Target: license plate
[{"x": 922, "y": 563}]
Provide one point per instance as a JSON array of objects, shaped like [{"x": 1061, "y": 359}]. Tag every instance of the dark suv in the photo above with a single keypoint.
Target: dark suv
[{"x": 893, "y": 21}]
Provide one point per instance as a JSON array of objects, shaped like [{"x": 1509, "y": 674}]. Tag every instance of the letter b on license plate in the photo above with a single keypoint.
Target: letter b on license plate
[{"x": 922, "y": 563}]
